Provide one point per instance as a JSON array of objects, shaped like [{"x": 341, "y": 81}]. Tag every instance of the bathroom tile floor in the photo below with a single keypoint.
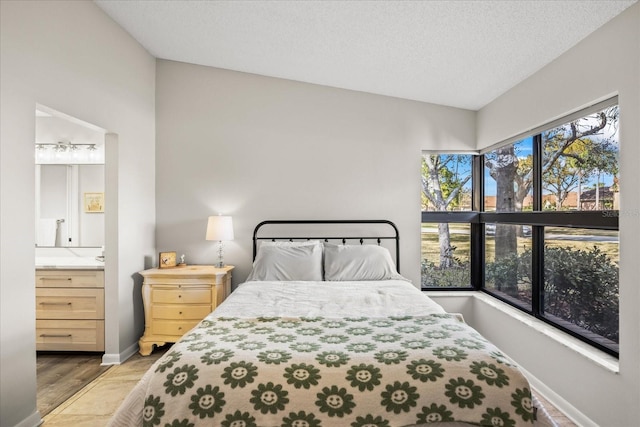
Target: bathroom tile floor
[{"x": 94, "y": 405}]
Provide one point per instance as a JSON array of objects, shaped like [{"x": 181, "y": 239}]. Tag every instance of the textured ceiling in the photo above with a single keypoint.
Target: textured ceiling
[{"x": 458, "y": 53}]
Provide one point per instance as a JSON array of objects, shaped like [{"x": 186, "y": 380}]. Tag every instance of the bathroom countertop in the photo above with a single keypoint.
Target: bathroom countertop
[{"x": 69, "y": 263}]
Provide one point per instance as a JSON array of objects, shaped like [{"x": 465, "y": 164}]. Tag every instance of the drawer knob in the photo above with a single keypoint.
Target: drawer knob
[
  {"x": 179, "y": 296},
  {"x": 180, "y": 313}
]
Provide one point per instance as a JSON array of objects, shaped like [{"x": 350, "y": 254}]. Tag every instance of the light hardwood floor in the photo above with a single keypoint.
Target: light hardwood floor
[
  {"x": 60, "y": 375},
  {"x": 95, "y": 403}
]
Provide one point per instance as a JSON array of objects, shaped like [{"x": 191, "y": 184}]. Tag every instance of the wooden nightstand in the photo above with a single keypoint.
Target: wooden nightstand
[{"x": 176, "y": 299}]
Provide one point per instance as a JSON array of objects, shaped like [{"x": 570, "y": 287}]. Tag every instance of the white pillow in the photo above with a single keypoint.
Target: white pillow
[
  {"x": 262, "y": 243},
  {"x": 358, "y": 263},
  {"x": 288, "y": 262}
]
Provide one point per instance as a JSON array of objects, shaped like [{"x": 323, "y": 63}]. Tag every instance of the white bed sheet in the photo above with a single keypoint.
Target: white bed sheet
[{"x": 328, "y": 299}]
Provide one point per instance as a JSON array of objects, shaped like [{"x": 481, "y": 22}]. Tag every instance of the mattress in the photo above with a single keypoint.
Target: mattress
[
  {"x": 376, "y": 353},
  {"x": 380, "y": 298}
]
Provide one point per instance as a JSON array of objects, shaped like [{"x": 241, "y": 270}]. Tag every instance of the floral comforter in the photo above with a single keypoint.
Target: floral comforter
[{"x": 312, "y": 372}]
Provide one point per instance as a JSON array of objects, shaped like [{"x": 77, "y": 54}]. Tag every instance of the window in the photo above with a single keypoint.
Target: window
[
  {"x": 508, "y": 178},
  {"x": 540, "y": 230},
  {"x": 508, "y": 269},
  {"x": 581, "y": 281},
  {"x": 580, "y": 163},
  {"x": 446, "y": 260},
  {"x": 446, "y": 244}
]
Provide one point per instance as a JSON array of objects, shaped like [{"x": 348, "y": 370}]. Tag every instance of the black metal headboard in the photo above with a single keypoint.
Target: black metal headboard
[{"x": 331, "y": 234}]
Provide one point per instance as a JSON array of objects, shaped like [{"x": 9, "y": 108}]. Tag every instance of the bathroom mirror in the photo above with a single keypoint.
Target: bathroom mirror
[
  {"x": 64, "y": 218},
  {"x": 70, "y": 183}
]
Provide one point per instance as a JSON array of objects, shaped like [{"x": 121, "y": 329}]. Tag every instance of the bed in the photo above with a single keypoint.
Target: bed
[{"x": 326, "y": 332}]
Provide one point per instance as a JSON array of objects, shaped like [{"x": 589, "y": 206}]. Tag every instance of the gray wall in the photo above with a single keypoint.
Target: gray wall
[
  {"x": 604, "y": 64},
  {"x": 263, "y": 148},
  {"x": 70, "y": 56}
]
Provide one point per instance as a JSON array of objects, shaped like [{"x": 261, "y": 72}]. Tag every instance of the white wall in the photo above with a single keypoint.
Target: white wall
[
  {"x": 263, "y": 148},
  {"x": 605, "y": 63},
  {"x": 68, "y": 55},
  {"x": 90, "y": 180}
]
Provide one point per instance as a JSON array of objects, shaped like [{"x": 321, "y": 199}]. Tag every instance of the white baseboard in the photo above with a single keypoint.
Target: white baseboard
[
  {"x": 556, "y": 400},
  {"x": 33, "y": 420},
  {"x": 118, "y": 358}
]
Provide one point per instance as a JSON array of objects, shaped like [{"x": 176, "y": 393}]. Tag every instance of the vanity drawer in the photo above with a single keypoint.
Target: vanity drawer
[
  {"x": 172, "y": 328},
  {"x": 180, "y": 312},
  {"x": 69, "y": 278},
  {"x": 70, "y": 335},
  {"x": 69, "y": 303},
  {"x": 181, "y": 295}
]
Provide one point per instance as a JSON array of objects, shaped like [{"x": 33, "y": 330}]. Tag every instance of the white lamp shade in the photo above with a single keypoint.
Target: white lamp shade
[{"x": 220, "y": 228}]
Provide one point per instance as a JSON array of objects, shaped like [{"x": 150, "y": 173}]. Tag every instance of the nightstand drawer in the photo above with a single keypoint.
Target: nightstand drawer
[
  {"x": 173, "y": 328},
  {"x": 69, "y": 303},
  {"x": 180, "y": 312},
  {"x": 66, "y": 335},
  {"x": 181, "y": 296}
]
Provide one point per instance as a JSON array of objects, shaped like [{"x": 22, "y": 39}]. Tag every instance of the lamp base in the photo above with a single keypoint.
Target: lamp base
[{"x": 220, "y": 264}]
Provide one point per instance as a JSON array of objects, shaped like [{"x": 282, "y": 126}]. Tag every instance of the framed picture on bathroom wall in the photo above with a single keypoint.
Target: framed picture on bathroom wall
[{"x": 93, "y": 202}]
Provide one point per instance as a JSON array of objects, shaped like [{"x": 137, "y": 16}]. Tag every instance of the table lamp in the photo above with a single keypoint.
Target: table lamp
[{"x": 220, "y": 228}]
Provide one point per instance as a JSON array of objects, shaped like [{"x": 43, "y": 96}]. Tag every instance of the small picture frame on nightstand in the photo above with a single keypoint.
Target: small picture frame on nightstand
[{"x": 167, "y": 260}]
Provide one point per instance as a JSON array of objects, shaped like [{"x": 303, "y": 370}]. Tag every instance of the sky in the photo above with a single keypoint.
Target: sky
[{"x": 524, "y": 148}]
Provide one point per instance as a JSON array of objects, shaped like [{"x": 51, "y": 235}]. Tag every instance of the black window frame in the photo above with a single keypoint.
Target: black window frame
[{"x": 538, "y": 220}]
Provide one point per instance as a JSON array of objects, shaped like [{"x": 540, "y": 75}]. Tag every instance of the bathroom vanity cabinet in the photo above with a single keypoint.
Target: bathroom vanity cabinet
[{"x": 70, "y": 310}]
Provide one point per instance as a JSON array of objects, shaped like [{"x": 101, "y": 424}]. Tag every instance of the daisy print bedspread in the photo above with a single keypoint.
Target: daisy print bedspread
[{"x": 313, "y": 372}]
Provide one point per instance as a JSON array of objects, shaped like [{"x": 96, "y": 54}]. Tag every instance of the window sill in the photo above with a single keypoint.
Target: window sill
[{"x": 598, "y": 357}]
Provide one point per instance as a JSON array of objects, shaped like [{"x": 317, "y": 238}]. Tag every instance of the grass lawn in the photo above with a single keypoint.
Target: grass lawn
[{"x": 459, "y": 237}]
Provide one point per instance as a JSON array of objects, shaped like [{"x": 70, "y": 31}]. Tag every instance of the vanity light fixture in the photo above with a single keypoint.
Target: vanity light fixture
[{"x": 64, "y": 152}]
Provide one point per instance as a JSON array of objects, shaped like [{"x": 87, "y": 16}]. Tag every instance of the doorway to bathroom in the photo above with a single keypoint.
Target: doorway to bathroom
[{"x": 69, "y": 255}]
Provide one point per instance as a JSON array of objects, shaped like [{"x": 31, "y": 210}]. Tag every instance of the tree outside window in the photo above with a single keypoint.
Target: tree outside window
[{"x": 446, "y": 187}]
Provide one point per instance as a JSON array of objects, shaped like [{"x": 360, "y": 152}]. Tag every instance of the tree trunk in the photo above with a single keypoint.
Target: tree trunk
[
  {"x": 579, "y": 201},
  {"x": 446, "y": 252},
  {"x": 597, "y": 207},
  {"x": 433, "y": 184},
  {"x": 505, "y": 238}
]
